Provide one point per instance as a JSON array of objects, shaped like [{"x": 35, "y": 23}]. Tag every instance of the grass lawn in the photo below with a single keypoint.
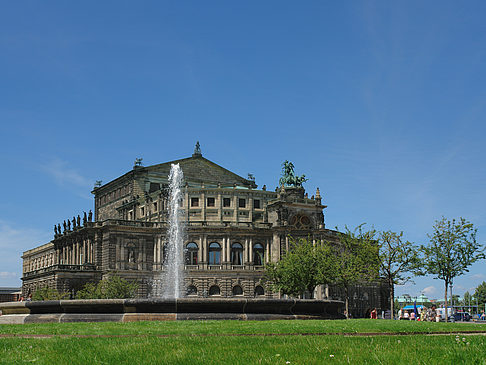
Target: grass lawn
[{"x": 189, "y": 343}]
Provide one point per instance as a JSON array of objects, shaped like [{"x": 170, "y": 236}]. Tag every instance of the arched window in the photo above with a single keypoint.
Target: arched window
[
  {"x": 236, "y": 254},
  {"x": 191, "y": 290},
  {"x": 259, "y": 291},
  {"x": 237, "y": 290},
  {"x": 191, "y": 253},
  {"x": 258, "y": 252},
  {"x": 214, "y": 290},
  {"x": 214, "y": 253}
]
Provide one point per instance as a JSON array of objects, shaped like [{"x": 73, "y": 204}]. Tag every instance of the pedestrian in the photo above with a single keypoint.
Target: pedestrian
[
  {"x": 432, "y": 314},
  {"x": 374, "y": 314},
  {"x": 412, "y": 316}
]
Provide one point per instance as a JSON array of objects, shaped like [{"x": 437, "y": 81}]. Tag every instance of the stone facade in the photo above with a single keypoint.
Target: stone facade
[{"x": 233, "y": 229}]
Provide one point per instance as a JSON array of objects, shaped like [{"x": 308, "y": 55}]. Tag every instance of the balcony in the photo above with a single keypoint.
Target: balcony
[{"x": 59, "y": 267}]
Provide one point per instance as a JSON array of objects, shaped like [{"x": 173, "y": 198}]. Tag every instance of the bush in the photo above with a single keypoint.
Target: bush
[
  {"x": 113, "y": 287},
  {"x": 47, "y": 293}
]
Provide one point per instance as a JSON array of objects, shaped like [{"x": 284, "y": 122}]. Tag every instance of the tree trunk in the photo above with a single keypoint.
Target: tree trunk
[
  {"x": 346, "y": 301},
  {"x": 445, "y": 300},
  {"x": 392, "y": 299}
]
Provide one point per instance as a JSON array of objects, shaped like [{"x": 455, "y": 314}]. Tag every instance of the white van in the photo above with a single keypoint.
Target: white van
[{"x": 441, "y": 313}]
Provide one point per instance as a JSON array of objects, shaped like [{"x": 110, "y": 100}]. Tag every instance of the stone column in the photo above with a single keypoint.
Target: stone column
[
  {"x": 117, "y": 254},
  {"x": 203, "y": 205},
  {"x": 228, "y": 252},
  {"x": 200, "y": 251},
  {"x": 275, "y": 247},
  {"x": 224, "y": 252},
  {"x": 204, "y": 248},
  {"x": 250, "y": 258},
  {"x": 245, "y": 252},
  {"x": 156, "y": 244}
]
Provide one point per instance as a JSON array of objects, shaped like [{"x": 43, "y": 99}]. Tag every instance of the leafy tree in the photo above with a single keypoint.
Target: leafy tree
[
  {"x": 467, "y": 299},
  {"x": 356, "y": 259},
  {"x": 47, "y": 293},
  {"x": 398, "y": 260},
  {"x": 301, "y": 269},
  {"x": 113, "y": 287},
  {"x": 480, "y": 293},
  {"x": 451, "y": 250}
]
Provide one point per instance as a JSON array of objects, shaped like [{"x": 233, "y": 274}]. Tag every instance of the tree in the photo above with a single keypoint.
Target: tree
[
  {"x": 467, "y": 299},
  {"x": 480, "y": 293},
  {"x": 451, "y": 250},
  {"x": 301, "y": 269},
  {"x": 356, "y": 259},
  {"x": 113, "y": 287},
  {"x": 47, "y": 293},
  {"x": 398, "y": 260}
]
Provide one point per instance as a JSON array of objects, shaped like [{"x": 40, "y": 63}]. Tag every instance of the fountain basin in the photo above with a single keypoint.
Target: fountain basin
[{"x": 129, "y": 310}]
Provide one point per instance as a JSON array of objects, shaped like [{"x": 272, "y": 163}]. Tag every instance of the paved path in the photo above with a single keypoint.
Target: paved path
[{"x": 358, "y": 334}]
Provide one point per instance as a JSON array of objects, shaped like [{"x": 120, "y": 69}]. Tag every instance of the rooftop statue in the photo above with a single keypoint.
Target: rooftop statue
[
  {"x": 288, "y": 176},
  {"x": 197, "y": 150},
  {"x": 138, "y": 162}
]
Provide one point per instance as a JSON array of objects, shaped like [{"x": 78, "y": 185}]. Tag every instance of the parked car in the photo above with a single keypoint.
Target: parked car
[{"x": 460, "y": 317}]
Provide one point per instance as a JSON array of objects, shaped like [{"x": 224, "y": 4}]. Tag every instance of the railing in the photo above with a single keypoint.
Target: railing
[{"x": 60, "y": 267}]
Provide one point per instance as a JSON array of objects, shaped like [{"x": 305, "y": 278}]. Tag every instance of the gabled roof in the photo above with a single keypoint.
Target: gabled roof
[{"x": 199, "y": 169}]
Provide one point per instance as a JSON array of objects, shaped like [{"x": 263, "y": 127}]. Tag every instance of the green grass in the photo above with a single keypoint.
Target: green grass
[
  {"x": 234, "y": 327},
  {"x": 186, "y": 347}
]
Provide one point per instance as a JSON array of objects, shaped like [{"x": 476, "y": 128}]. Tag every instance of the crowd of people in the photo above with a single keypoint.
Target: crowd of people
[{"x": 419, "y": 314}]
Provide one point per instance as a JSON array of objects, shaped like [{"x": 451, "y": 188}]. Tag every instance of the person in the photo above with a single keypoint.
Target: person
[
  {"x": 29, "y": 297},
  {"x": 422, "y": 314},
  {"x": 483, "y": 316},
  {"x": 374, "y": 314},
  {"x": 412, "y": 316},
  {"x": 400, "y": 314},
  {"x": 406, "y": 315},
  {"x": 432, "y": 314}
]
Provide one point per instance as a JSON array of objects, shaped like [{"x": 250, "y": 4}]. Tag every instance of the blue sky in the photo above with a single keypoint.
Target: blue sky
[{"x": 381, "y": 105}]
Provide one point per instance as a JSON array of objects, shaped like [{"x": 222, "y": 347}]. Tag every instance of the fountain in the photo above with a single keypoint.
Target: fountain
[{"x": 170, "y": 283}]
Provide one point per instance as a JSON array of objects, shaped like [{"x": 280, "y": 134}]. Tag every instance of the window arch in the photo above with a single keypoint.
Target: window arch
[
  {"x": 236, "y": 254},
  {"x": 258, "y": 254},
  {"x": 214, "y": 253},
  {"x": 214, "y": 290},
  {"x": 191, "y": 253},
  {"x": 259, "y": 291},
  {"x": 191, "y": 290},
  {"x": 237, "y": 290}
]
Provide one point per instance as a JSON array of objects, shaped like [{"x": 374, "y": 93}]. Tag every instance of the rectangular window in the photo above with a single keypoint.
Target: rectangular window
[
  {"x": 155, "y": 206},
  {"x": 242, "y": 203},
  {"x": 142, "y": 211},
  {"x": 226, "y": 202},
  {"x": 210, "y": 202},
  {"x": 194, "y": 202},
  {"x": 256, "y": 204}
]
